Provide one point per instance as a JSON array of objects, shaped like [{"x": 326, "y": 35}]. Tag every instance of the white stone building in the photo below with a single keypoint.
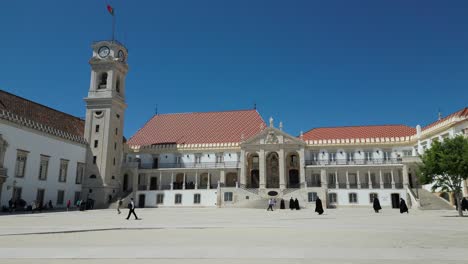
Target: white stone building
[{"x": 230, "y": 158}]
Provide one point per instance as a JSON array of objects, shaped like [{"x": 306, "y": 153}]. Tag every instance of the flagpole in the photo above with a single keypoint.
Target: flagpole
[{"x": 113, "y": 25}]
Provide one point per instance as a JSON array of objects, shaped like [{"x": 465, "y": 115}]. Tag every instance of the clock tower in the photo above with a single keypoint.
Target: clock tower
[{"x": 105, "y": 109}]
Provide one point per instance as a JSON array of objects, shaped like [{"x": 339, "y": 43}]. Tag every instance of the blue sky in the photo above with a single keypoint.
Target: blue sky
[{"x": 307, "y": 63}]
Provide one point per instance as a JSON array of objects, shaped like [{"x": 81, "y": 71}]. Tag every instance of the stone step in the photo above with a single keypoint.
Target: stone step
[{"x": 430, "y": 201}]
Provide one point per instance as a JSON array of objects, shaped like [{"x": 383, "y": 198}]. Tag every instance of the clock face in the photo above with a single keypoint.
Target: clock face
[
  {"x": 121, "y": 56},
  {"x": 103, "y": 51}
]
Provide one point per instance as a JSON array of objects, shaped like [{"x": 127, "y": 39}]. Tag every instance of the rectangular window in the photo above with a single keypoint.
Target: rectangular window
[
  {"x": 94, "y": 159},
  {"x": 198, "y": 158},
  {"x": 353, "y": 198},
  {"x": 80, "y": 167},
  {"x": 332, "y": 197},
  {"x": 372, "y": 196},
  {"x": 350, "y": 156},
  {"x": 196, "y": 198},
  {"x": 21, "y": 158},
  {"x": 314, "y": 156},
  {"x": 387, "y": 155},
  {"x": 178, "y": 159},
  {"x": 219, "y": 158},
  {"x": 368, "y": 156},
  {"x": 228, "y": 196},
  {"x": 116, "y": 131},
  {"x": 159, "y": 198},
  {"x": 115, "y": 145},
  {"x": 113, "y": 161},
  {"x": 332, "y": 157},
  {"x": 43, "y": 167},
  {"x": 407, "y": 153},
  {"x": 97, "y": 129},
  {"x": 63, "y": 170},
  {"x": 96, "y": 143},
  {"x": 60, "y": 196},
  {"x": 178, "y": 198},
  {"x": 312, "y": 196},
  {"x": 332, "y": 179},
  {"x": 40, "y": 196}
]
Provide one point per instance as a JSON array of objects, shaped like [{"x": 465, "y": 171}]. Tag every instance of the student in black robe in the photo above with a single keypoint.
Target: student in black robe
[
  {"x": 403, "y": 207},
  {"x": 376, "y": 205},
  {"x": 318, "y": 206},
  {"x": 296, "y": 202},
  {"x": 292, "y": 204},
  {"x": 464, "y": 204},
  {"x": 282, "y": 204}
]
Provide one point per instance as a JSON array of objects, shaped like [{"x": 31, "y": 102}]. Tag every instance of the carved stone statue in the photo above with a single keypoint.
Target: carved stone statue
[
  {"x": 271, "y": 121},
  {"x": 3, "y": 148},
  {"x": 271, "y": 138}
]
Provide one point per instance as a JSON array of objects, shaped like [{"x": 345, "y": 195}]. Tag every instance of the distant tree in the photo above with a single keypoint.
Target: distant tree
[{"x": 445, "y": 166}]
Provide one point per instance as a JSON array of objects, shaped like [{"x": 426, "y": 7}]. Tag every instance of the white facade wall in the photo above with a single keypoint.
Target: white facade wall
[
  {"x": 363, "y": 198},
  {"x": 38, "y": 143},
  {"x": 208, "y": 198}
]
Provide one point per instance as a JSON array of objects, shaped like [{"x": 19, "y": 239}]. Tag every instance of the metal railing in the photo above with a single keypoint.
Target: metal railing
[
  {"x": 353, "y": 162},
  {"x": 190, "y": 165}
]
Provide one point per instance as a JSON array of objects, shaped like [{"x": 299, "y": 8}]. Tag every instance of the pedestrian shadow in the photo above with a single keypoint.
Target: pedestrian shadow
[{"x": 449, "y": 216}]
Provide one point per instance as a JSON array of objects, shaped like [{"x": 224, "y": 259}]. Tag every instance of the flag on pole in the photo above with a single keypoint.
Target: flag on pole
[{"x": 110, "y": 9}]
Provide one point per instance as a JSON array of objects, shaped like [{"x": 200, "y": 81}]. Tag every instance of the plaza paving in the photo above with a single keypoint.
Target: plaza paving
[{"x": 210, "y": 235}]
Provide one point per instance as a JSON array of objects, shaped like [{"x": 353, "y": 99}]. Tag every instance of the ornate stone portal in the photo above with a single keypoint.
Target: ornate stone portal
[
  {"x": 3, "y": 171},
  {"x": 272, "y": 175}
]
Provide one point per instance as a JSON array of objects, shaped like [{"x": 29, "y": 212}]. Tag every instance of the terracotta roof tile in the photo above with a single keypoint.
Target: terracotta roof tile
[
  {"x": 41, "y": 114},
  {"x": 192, "y": 128},
  {"x": 354, "y": 132},
  {"x": 462, "y": 113}
]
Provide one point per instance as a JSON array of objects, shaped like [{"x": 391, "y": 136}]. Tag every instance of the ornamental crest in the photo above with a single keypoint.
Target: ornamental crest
[{"x": 271, "y": 138}]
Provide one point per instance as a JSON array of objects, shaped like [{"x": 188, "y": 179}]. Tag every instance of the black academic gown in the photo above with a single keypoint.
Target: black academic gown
[
  {"x": 464, "y": 204},
  {"x": 377, "y": 206},
  {"x": 318, "y": 206},
  {"x": 282, "y": 204},
  {"x": 297, "y": 204},
  {"x": 292, "y": 204},
  {"x": 403, "y": 207}
]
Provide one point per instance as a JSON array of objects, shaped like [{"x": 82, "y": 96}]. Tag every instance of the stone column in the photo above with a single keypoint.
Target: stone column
[
  {"x": 148, "y": 181},
  {"x": 323, "y": 178},
  {"x": 172, "y": 180},
  {"x": 196, "y": 179},
  {"x": 183, "y": 182},
  {"x": 358, "y": 176},
  {"x": 262, "y": 169},
  {"x": 370, "y": 179},
  {"x": 302, "y": 166},
  {"x": 381, "y": 179},
  {"x": 222, "y": 177},
  {"x": 243, "y": 168},
  {"x": 405, "y": 177},
  {"x": 160, "y": 180},
  {"x": 336, "y": 180},
  {"x": 347, "y": 179},
  {"x": 393, "y": 180},
  {"x": 208, "y": 182},
  {"x": 282, "y": 169}
]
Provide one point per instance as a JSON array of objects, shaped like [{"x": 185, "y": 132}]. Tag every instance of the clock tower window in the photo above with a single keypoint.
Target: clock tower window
[
  {"x": 117, "y": 85},
  {"x": 103, "y": 81}
]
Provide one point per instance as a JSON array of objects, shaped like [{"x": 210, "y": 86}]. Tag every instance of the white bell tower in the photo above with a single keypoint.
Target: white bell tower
[{"x": 105, "y": 109}]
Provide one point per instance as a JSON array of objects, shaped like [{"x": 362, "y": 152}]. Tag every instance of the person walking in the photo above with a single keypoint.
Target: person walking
[
  {"x": 318, "y": 206},
  {"x": 403, "y": 207},
  {"x": 68, "y": 205},
  {"x": 282, "y": 204},
  {"x": 131, "y": 209},
  {"x": 376, "y": 205},
  {"x": 296, "y": 202},
  {"x": 270, "y": 205},
  {"x": 119, "y": 204}
]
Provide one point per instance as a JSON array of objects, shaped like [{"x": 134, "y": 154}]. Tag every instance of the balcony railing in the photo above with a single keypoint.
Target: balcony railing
[
  {"x": 191, "y": 165},
  {"x": 353, "y": 162}
]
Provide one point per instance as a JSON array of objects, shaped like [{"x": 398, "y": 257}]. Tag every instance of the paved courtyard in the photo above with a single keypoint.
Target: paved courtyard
[{"x": 185, "y": 235}]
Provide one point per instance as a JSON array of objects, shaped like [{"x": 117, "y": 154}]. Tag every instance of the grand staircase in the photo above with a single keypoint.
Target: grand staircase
[{"x": 430, "y": 201}]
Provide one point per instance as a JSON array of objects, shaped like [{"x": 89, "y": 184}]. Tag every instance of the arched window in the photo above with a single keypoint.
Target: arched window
[{"x": 103, "y": 81}]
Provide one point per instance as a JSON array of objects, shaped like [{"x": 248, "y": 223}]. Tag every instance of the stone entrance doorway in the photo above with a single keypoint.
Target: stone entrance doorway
[
  {"x": 293, "y": 179},
  {"x": 272, "y": 171}
]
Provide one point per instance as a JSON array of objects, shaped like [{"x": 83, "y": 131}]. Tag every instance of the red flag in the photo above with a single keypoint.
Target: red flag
[{"x": 110, "y": 9}]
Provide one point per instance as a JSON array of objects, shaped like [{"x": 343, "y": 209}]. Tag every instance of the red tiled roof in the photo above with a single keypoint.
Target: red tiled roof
[
  {"x": 41, "y": 114},
  {"x": 194, "y": 128},
  {"x": 354, "y": 132},
  {"x": 461, "y": 113}
]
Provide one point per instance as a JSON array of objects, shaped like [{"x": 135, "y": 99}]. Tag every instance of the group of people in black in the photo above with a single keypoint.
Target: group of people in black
[
  {"x": 377, "y": 207},
  {"x": 294, "y": 205}
]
